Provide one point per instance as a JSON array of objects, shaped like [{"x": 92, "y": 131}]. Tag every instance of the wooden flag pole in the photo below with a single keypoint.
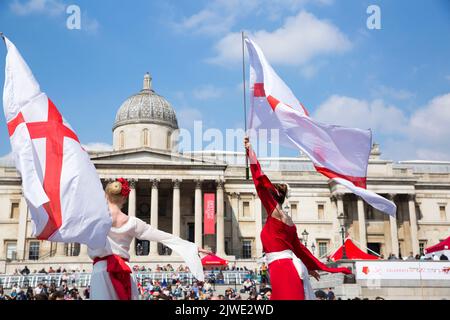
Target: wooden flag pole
[{"x": 247, "y": 174}]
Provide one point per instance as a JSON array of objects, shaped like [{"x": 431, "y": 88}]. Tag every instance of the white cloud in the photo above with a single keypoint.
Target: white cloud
[
  {"x": 301, "y": 38},
  {"x": 220, "y": 16},
  {"x": 50, "y": 7},
  {"x": 431, "y": 124},
  {"x": 97, "y": 146},
  {"x": 351, "y": 112},
  {"x": 422, "y": 135},
  {"x": 207, "y": 92}
]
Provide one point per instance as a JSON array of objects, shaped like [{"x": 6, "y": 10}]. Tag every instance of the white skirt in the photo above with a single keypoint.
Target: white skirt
[
  {"x": 102, "y": 287},
  {"x": 299, "y": 265}
]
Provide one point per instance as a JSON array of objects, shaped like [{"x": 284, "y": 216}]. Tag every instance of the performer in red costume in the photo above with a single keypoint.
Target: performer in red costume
[
  {"x": 290, "y": 262},
  {"x": 112, "y": 278}
]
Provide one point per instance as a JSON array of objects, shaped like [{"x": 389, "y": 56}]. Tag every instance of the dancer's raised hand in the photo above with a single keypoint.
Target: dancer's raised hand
[{"x": 247, "y": 144}]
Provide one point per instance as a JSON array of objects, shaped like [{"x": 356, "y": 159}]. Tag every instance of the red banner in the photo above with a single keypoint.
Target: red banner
[{"x": 209, "y": 210}]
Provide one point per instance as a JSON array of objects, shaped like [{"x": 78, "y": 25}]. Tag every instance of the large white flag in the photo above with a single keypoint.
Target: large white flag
[
  {"x": 62, "y": 188},
  {"x": 339, "y": 153}
]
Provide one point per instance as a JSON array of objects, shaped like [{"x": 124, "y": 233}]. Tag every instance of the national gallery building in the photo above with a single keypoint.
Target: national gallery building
[{"x": 168, "y": 188}]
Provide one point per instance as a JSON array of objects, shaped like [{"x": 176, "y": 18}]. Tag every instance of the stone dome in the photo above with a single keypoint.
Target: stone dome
[{"x": 146, "y": 107}]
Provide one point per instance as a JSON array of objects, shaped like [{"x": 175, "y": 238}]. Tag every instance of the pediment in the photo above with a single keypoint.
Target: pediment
[{"x": 149, "y": 156}]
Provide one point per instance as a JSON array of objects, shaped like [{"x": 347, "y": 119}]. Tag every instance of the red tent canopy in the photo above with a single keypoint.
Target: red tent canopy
[
  {"x": 444, "y": 245},
  {"x": 213, "y": 260},
  {"x": 352, "y": 252}
]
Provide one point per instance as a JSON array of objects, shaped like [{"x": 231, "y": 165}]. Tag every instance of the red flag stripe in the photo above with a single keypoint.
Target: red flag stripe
[
  {"x": 14, "y": 123},
  {"x": 357, "y": 181},
  {"x": 258, "y": 90}
]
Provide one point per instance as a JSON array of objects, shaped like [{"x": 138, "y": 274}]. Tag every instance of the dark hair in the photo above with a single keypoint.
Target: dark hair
[{"x": 282, "y": 190}]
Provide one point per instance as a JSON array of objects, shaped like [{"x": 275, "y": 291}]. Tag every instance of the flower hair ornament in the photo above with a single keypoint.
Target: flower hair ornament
[{"x": 125, "y": 187}]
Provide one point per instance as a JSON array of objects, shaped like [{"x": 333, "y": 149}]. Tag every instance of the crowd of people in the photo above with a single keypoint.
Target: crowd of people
[{"x": 411, "y": 257}]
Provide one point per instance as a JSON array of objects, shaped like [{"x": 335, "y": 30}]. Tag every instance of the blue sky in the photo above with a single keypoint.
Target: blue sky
[{"x": 395, "y": 80}]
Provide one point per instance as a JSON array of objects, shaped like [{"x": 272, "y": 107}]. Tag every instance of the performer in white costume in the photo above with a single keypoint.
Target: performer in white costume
[{"x": 112, "y": 278}]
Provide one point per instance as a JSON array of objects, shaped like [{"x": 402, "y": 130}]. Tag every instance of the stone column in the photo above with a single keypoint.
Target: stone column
[
  {"x": 394, "y": 231},
  {"x": 60, "y": 249},
  {"x": 220, "y": 234},
  {"x": 198, "y": 214},
  {"x": 362, "y": 225},
  {"x": 84, "y": 251},
  {"x": 176, "y": 215},
  {"x": 154, "y": 214},
  {"x": 132, "y": 211},
  {"x": 413, "y": 223},
  {"x": 258, "y": 225},
  {"x": 22, "y": 233},
  {"x": 235, "y": 223}
]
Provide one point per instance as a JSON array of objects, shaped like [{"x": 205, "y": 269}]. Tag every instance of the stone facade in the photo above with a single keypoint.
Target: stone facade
[{"x": 167, "y": 191}]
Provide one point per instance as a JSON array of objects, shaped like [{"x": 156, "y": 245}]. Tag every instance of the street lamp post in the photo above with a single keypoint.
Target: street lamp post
[
  {"x": 305, "y": 237},
  {"x": 341, "y": 218}
]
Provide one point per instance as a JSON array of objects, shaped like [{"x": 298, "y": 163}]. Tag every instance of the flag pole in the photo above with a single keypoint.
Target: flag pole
[
  {"x": 3, "y": 36},
  {"x": 247, "y": 174}
]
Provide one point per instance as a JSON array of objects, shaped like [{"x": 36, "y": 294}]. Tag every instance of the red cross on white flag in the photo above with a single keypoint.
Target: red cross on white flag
[
  {"x": 60, "y": 183},
  {"x": 339, "y": 153}
]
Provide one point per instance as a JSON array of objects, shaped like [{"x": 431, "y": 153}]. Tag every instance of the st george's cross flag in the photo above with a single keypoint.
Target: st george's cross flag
[
  {"x": 62, "y": 188},
  {"x": 339, "y": 153}
]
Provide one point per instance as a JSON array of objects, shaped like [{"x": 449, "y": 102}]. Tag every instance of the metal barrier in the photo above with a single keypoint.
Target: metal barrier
[{"x": 84, "y": 279}]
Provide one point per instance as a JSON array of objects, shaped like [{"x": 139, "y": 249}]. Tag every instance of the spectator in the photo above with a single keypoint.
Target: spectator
[
  {"x": 2, "y": 294},
  {"x": 435, "y": 257},
  {"x": 417, "y": 257},
  {"x": 38, "y": 289},
  {"x": 25, "y": 271},
  {"x": 247, "y": 285},
  {"x": 264, "y": 273},
  {"x": 43, "y": 271},
  {"x": 320, "y": 295},
  {"x": 51, "y": 270},
  {"x": 443, "y": 257},
  {"x": 411, "y": 257},
  {"x": 330, "y": 295},
  {"x": 41, "y": 296}
]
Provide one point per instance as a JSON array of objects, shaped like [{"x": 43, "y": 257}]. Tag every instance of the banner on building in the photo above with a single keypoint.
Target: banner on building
[
  {"x": 209, "y": 210},
  {"x": 403, "y": 270}
]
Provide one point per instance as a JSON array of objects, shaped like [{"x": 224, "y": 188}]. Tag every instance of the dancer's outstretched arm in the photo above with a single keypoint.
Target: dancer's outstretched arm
[
  {"x": 187, "y": 250},
  {"x": 311, "y": 262},
  {"x": 262, "y": 183}
]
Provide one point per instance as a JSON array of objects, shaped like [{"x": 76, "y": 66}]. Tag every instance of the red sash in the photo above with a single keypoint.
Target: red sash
[{"x": 119, "y": 273}]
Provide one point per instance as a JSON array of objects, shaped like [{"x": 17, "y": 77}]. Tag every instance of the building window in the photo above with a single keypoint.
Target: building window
[
  {"x": 246, "y": 249},
  {"x": 323, "y": 247},
  {"x": 422, "y": 245},
  {"x": 121, "y": 140},
  {"x": 33, "y": 253},
  {"x": 14, "y": 210},
  {"x": 294, "y": 211},
  {"x": 11, "y": 250},
  {"x": 72, "y": 249},
  {"x": 321, "y": 211},
  {"x": 442, "y": 213},
  {"x": 246, "y": 209},
  {"x": 145, "y": 138}
]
